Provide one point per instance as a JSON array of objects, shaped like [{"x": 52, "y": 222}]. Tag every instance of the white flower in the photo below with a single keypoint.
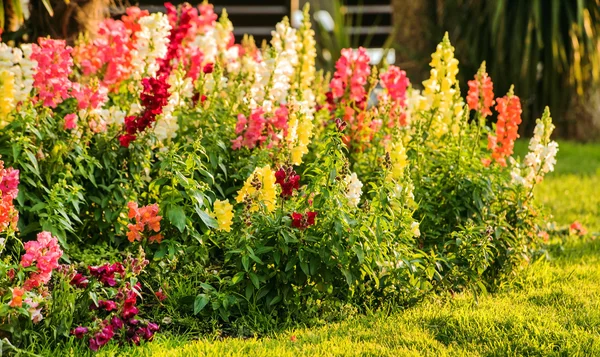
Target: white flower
[
  {"x": 414, "y": 228},
  {"x": 353, "y": 189},
  {"x": 150, "y": 45},
  {"x": 541, "y": 157},
  {"x": 112, "y": 115}
]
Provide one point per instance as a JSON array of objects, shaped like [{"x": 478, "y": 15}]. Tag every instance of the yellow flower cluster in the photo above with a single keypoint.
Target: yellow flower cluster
[
  {"x": 259, "y": 188},
  {"x": 7, "y": 96},
  {"x": 399, "y": 160},
  {"x": 300, "y": 127},
  {"x": 307, "y": 53},
  {"x": 442, "y": 91},
  {"x": 223, "y": 213}
]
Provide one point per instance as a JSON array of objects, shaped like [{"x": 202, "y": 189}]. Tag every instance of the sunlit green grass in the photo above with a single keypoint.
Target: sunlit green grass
[{"x": 553, "y": 309}]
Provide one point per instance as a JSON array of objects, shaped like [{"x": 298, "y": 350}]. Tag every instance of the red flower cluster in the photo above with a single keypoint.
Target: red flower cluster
[
  {"x": 104, "y": 273},
  {"x": 183, "y": 27},
  {"x": 301, "y": 221},
  {"x": 481, "y": 93},
  {"x": 577, "y": 228},
  {"x": 288, "y": 180},
  {"x": 154, "y": 97},
  {"x": 119, "y": 312},
  {"x": 509, "y": 118},
  {"x": 146, "y": 216}
]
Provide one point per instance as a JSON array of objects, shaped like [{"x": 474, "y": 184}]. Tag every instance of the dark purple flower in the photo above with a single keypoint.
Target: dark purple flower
[{"x": 79, "y": 331}]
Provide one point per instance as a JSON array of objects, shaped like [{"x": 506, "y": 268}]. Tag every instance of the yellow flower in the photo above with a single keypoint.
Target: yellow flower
[
  {"x": 442, "y": 91},
  {"x": 223, "y": 213},
  {"x": 259, "y": 188},
  {"x": 7, "y": 96},
  {"x": 399, "y": 160}
]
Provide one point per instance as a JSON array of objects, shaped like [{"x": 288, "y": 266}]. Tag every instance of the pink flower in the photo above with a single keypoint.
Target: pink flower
[
  {"x": 254, "y": 126},
  {"x": 395, "y": 82},
  {"x": 54, "y": 67},
  {"x": 481, "y": 93},
  {"x": 45, "y": 252},
  {"x": 9, "y": 181},
  {"x": 352, "y": 73},
  {"x": 70, "y": 121}
]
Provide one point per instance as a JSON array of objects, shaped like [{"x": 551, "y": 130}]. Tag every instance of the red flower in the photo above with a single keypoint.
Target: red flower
[
  {"x": 126, "y": 139},
  {"x": 577, "y": 228},
  {"x": 302, "y": 222},
  {"x": 288, "y": 180},
  {"x": 80, "y": 281},
  {"x": 160, "y": 295},
  {"x": 208, "y": 68}
]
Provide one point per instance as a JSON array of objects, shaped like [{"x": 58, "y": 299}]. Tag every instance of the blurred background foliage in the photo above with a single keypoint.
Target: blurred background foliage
[{"x": 550, "y": 49}]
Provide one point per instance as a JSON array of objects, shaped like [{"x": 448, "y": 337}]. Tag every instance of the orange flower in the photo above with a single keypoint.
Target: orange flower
[
  {"x": 509, "y": 118},
  {"x": 145, "y": 217},
  {"x": 481, "y": 92},
  {"x": 17, "y": 297}
]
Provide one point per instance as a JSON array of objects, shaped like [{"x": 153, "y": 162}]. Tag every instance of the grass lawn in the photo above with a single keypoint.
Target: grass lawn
[{"x": 553, "y": 309}]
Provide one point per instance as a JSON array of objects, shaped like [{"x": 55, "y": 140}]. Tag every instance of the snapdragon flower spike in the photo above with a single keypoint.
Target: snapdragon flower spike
[
  {"x": 288, "y": 180},
  {"x": 301, "y": 221},
  {"x": 45, "y": 252},
  {"x": 507, "y": 127},
  {"x": 481, "y": 92},
  {"x": 154, "y": 97},
  {"x": 145, "y": 217},
  {"x": 54, "y": 68},
  {"x": 9, "y": 181},
  {"x": 395, "y": 82},
  {"x": 351, "y": 73},
  {"x": 183, "y": 27}
]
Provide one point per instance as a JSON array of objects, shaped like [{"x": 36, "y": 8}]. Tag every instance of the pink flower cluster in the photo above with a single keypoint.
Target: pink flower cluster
[
  {"x": 395, "y": 82},
  {"x": 257, "y": 129},
  {"x": 54, "y": 65},
  {"x": 154, "y": 97},
  {"x": 109, "y": 52},
  {"x": 45, "y": 253},
  {"x": 507, "y": 127},
  {"x": 481, "y": 94},
  {"x": 352, "y": 72},
  {"x": 9, "y": 181}
]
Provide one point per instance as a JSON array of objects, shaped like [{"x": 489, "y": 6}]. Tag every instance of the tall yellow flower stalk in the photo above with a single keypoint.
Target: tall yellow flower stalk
[
  {"x": 302, "y": 99},
  {"x": 442, "y": 91},
  {"x": 259, "y": 188},
  {"x": 7, "y": 96}
]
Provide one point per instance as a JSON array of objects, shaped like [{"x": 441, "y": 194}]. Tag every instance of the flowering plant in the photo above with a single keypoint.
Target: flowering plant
[{"x": 264, "y": 185}]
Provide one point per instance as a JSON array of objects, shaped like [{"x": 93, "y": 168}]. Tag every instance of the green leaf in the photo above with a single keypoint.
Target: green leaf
[
  {"x": 237, "y": 277},
  {"x": 176, "y": 216},
  {"x": 254, "y": 279},
  {"x": 200, "y": 302}
]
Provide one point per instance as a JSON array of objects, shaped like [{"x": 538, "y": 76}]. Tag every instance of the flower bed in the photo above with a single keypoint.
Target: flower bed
[{"x": 175, "y": 173}]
